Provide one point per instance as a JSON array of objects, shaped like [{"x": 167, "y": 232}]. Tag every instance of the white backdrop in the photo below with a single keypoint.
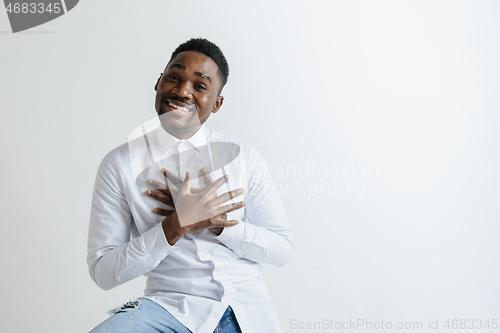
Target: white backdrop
[{"x": 378, "y": 120}]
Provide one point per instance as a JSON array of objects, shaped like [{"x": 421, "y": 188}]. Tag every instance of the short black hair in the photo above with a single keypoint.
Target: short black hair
[{"x": 209, "y": 49}]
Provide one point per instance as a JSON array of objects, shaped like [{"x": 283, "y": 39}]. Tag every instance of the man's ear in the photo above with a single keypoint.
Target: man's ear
[
  {"x": 218, "y": 104},
  {"x": 156, "y": 85}
]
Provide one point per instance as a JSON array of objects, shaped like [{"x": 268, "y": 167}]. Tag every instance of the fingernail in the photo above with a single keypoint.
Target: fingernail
[
  {"x": 162, "y": 170},
  {"x": 148, "y": 192},
  {"x": 226, "y": 177},
  {"x": 155, "y": 210},
  {"x": 205, "y": 168},
  {"x": 150, "y": 181}
]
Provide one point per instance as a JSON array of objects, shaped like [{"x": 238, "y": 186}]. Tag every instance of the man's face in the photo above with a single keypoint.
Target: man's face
[{"x": 187, "y": 92}]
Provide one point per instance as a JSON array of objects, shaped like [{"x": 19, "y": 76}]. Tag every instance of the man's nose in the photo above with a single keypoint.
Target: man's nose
[{"x": 183, "y": 90}]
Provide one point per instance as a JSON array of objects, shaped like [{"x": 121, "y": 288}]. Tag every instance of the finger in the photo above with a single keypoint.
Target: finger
[
  {"x": 220, "y": 222},
  {"x": 230, "y": 223},
  {"x": 186, "y": 187},
  {"x": 233, "y": 209},
  {"x": 230, "y": 207},
  {"x": 216, "y": 185},
  {"x": 172, "y": 177},
  {"x": 220, "y": 218},
  {"x": 229, "y": 196},
  {"x": 217, "y": 222},
  {"x": 205, "y": 175},
  {"x": 214, "y": 222},
  {"x": 160, "y": 187},
  {"x": 162, "y": 212},
  {"x": 161, "y": 197}
]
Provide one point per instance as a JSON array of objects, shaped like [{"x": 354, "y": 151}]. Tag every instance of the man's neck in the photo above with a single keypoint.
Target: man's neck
[{"x": 184, "y": 135}]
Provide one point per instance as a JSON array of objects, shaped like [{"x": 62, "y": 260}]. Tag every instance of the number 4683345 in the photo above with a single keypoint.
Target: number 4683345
[
  {"x": 471, "y": 324},
  {"x": 33, "y": 8}
]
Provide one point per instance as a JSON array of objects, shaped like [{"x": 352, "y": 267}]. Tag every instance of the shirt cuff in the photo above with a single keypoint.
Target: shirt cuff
[
  {"x": 155, "y": 243},
  {"x": 232, "y": 235}
]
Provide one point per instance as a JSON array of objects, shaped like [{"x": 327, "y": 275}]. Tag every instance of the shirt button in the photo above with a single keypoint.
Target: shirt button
[
  {"x": 218, "y": 274},
  {"x": 190, "y": 233},
  {"x": 244, "y": 256},
  {"x": 204, "y": 256},
  {"x": 226, "y": 299},
  {"x": 184, "y": 165}
]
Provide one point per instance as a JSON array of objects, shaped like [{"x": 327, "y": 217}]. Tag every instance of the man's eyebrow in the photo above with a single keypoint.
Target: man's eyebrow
[
  {"x": 204, "y": 76},
  {"x": 183, "y": 67},
  {"x": 180, "y": 66}
]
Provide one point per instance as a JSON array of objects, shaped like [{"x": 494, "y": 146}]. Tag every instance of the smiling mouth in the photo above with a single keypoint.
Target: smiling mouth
[{"x": 174, "y": 107}]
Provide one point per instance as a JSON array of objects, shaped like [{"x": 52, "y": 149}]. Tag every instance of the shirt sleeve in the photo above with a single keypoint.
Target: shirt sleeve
[
  {"x": 266, "y": 236},
  {"x": 113, "y": 257}
]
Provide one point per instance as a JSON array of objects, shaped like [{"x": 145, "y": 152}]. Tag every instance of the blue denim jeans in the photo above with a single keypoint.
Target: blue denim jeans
[{"x": 144, "y": 315}]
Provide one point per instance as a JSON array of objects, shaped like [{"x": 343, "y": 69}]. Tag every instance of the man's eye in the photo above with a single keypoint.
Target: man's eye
[
  {"x": 172, "y": 77},
  {"x": 199, "y": 86}
]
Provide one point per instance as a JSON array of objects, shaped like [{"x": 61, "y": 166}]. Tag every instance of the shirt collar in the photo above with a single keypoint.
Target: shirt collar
[{"x": 167, "y": 140}]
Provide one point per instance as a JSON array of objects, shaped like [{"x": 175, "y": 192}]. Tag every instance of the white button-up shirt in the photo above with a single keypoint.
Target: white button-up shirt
[{"x": 199, "y": 276}]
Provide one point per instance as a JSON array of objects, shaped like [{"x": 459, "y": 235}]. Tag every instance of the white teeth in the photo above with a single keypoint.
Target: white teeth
[{"x": 183, "y": 109}]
